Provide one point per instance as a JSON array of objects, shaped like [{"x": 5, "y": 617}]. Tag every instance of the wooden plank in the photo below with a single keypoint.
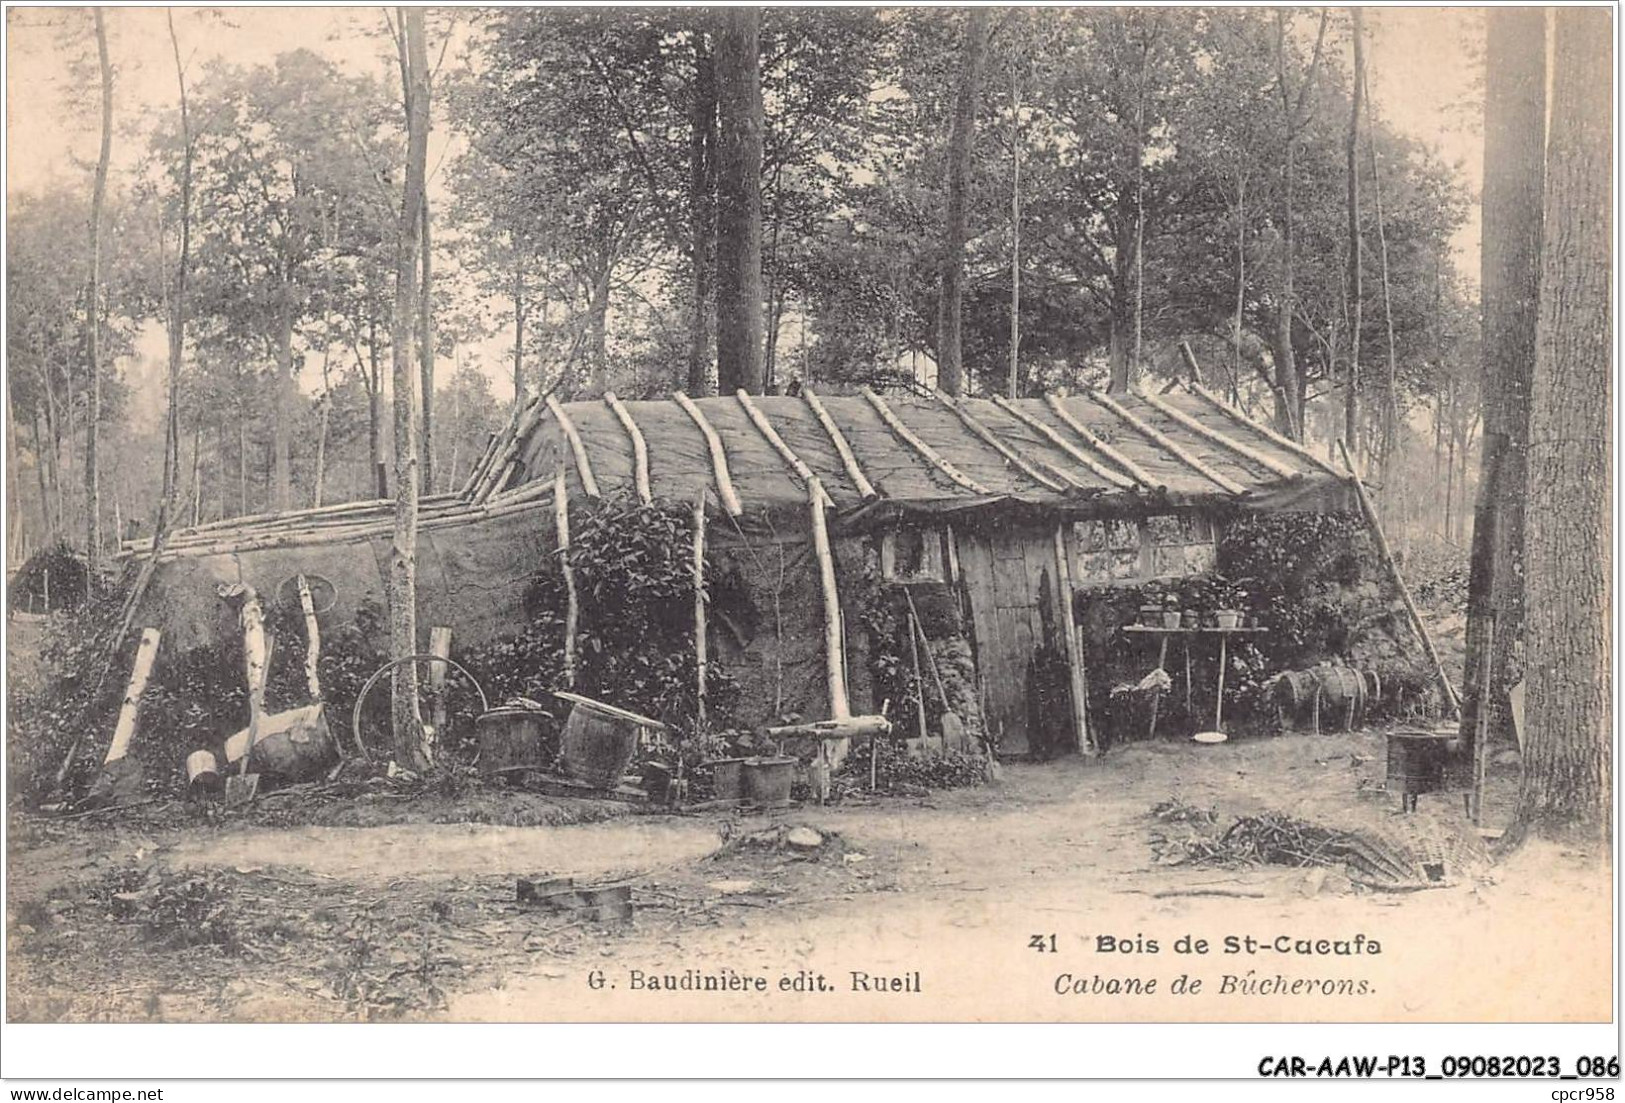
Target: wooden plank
[
  {"x": 1089, "y": 462},
  {"x": 1165, "y": 442},
  {"x": 849, "y": 461},
  {"x": 1057, "y": 480},
  {"x": 913, "y": 440},
  {"x": 1273, "y": 466},
  {"x": 640, "y": 449},
  {"x": 719, "y": 458},
  {"x": 771, "y": 435},
  {"x": 583, "y": 465}
]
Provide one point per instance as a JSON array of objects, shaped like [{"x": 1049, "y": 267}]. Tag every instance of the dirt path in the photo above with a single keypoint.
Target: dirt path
[{"x": 948, "y": 893}]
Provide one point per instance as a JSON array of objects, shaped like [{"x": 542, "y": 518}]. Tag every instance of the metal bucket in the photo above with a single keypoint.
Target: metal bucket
[
  {"x": 600, "y": 740},
  {"x": 203, "y": 773},
  {"x": 768, "y": 781},
  {"x": 511, "y": 739}
]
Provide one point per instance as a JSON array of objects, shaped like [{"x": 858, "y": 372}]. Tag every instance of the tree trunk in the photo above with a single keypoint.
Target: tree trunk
[
  {"x": 1012, "y": 384},
  {"x": 281, "y": 402},
  {"x": 40, "y": 438},
  {"x": 169, "y": 498},
  {"x": 518, "y": 329},
  {"x": 324, "y": 409},
  {"x": 1568, "y": 764},
  {"x": 93, "y": 317},
  {"x": 197, "y": 471},
  {"x": 1514, "y": 160},
  {"x": 702, "y": 182},
  {"x": 961, "y": 139},
  {"x": 405, "y": 714},
  {"x": 1356, "y": 289},
  {"x": 375, "y": 412},
  {"x": 426, "y": 349},
  {"x": 739, "y": 202}
]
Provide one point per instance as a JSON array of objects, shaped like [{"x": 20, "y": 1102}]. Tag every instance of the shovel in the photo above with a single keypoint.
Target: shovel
[{"x": 953, "y": 728}]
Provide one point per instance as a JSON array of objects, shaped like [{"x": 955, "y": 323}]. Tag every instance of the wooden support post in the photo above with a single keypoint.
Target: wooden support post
[
  {"x": 771, "y": 435},
  {"x": 439, "y": 645},
  {"x": 838, "y": 439},
  {"x": 919, "y": 676},
  {"x": 640, "y": 449},
  {"x": 1074, "y": 653},
  {"x": 1451, "y": 698},
  {"x": 561, "y": 519},
  {"x": 834, "y": 651},
  {"x": 701, "y": 656},
  {"x": 719, "y": 458},
  {"x": 130, "y": 711},
  {"x": 583, "y": 466},
  {"x": 313, "y": 640}
]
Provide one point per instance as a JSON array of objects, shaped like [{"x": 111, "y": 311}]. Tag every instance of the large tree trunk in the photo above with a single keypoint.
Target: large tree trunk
[
  {"x": 1514, "y": 161},
  {"x": 702, "y": 183},
  {"x": 375, "y": 412},
  {"x": 405, "y": 714},
  {"x": 1356, "y": 284},
  {"x": 169, "y": 498},
  {"x": 1568, "y": 764},
  {"x": 93, "y": 317},
  {"x": 426, "y": 349},
  {"x": 739, "y": 202},
  {"x": 518, "y": 329},
  {"x": 961, "y": 139}
]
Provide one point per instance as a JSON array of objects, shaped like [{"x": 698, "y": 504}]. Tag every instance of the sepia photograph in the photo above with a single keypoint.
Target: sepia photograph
[{"x": 1089, "y": 514}]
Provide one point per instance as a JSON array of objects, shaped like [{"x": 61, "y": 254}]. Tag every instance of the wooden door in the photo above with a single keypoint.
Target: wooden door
[{"x": 1005, "y": 577}]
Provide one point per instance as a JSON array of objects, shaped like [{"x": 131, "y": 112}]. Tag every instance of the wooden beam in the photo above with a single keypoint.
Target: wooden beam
[
  {"x": 502, "y": 458},
  {"x": 834, "y": 649},
  {"x": 1074, "y": 656},
  {"x": 583, "y": 465},
  {"x": 640, "y": 449},
  {"x": 1095, "y": 441},
  {"x": 719, "y": 458},
  {"x": 854, "y": 472},
  {"x": 1166, "y": 443},
  {"x": 130, "y": 711},
  {"x": 1117, "y": 479},
  {"x": 572, "y": 612},
  {"x": 1259, "y": 427},
  {"x": 1452, "y": 699},
  {"x": 771, "y": 435},
  {"x": 912, "y": 439},
  {"x": 1028, "y": 468},
  {"x": 1273, "y": 466}
]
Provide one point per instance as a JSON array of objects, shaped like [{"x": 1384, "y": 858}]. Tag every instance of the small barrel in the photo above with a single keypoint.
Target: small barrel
[
  {"x": 768, "y": 781},
  {"x": 600, "y": 740},
  {"x": 203, "y": 772},
  {"x": 510, "y": 739}
]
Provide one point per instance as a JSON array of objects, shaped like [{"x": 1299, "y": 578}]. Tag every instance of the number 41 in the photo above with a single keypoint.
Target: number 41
[{"x": 1043, "y": 943}]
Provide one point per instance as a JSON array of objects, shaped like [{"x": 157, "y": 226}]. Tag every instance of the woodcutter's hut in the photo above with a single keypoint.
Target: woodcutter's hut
[{"x": 986, "y": 512}]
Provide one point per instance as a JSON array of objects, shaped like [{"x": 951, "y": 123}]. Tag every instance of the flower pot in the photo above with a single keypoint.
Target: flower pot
[
  {"x": 1190, "y": 618},
  {"x": 1151, "y": 615},
  {"x": 1228, "y": 618},
  {"x": 1171, "y": 618}
]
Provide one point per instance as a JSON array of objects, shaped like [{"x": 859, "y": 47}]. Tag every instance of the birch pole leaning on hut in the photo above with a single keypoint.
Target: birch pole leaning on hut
[
  {"x": 834, "y": 658},
  {"x": 561, "y": 519},
  {"x": 1451, "y": 698},
  {"x": 313, "y": 640},
  {"x": 130, "y": 710}
]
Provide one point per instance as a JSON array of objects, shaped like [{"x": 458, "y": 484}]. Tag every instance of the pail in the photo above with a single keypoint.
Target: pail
[
  {"x": 727, "y": 778},
  {"x": 600, "y": 740},
  {"x": 767, "y": 781},
  {"x": 510, "y": 739},
  {"x": 202, "y": 773}
]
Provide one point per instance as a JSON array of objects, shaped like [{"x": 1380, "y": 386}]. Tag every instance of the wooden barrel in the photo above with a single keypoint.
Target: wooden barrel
[
  {"x": 600, "y": 740},
  {"x": 510, "y": 739}
]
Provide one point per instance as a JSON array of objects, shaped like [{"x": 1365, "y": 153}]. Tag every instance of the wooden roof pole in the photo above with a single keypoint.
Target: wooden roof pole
[
  {"x": 1274, "y": 466},
  {"x": 912, "y": 439},
  {"x": 771, "y": 435},
  {"x": 1166, "y": 443},
  {"x": 640, "y": 449},
  {"x": 583, "y": 465},
  {"x": 1093, "y": 439},
  {"x": 842, "y": 448},
  {"x": 1015, "y": 459},
  {"x": 502, "y": 460},
  {"x": 719, "y": 458},
  {"x": 1122, "y": 482},
  {"x": 1259, "y": 427}
]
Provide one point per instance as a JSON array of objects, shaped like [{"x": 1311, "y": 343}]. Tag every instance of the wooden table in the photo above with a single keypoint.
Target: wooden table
[{"x": 1165, "y": 634}]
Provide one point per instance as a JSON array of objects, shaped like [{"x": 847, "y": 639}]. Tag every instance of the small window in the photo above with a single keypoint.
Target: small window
[
  {"x": 1125, "y": 551},
  {"x": 911, "y": 555}
]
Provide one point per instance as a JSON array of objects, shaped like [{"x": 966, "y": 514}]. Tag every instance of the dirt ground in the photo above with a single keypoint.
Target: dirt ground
[{"x": 975, "y": 904}]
